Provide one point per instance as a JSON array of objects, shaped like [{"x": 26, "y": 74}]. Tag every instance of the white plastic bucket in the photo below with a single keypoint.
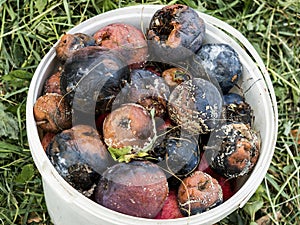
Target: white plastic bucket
[{"x": 67, "y": 206}]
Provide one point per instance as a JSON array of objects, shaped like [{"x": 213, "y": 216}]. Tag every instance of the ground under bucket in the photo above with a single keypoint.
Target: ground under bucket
[{"x": 67, "y": 206}]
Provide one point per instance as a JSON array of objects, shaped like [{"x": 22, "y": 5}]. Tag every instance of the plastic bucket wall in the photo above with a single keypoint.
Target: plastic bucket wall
[{"x": 66, "y": 206}]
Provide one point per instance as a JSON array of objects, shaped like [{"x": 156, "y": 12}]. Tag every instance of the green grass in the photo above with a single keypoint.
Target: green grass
[{"x": 29, "y": 28}]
